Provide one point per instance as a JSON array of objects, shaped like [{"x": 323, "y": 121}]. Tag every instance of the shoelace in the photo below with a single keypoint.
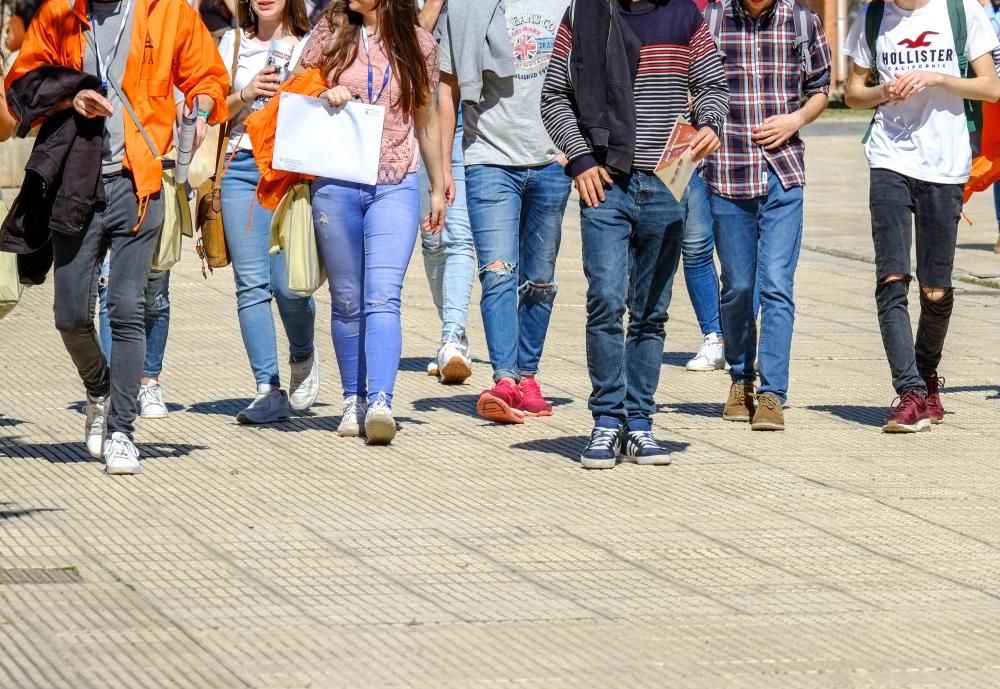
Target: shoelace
[
  {"x": 381, "y": 402},
  {"x": 149, "y": 393},
  {"x": 769, "y": 401},
  {"x": 644, "y": 439},
  {"x": 603, "y": 438},
  {"x": 530, "y": 389},
  {"x": 907, "y": 398},
  {"x": 119, "y": 446}
]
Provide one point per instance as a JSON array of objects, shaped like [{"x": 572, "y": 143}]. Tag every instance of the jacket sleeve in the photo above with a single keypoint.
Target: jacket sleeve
[
  {"x": 707, "y": 82},
  {"x": 198, "y": 67},
  {"x": 41, "y": 45},
  {"x": 559, "y": 106}
]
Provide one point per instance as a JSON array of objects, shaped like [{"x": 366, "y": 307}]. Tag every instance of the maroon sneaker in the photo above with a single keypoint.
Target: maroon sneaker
[
  {"x": 501, "y": 404},
  {"x": 934, "y": 387},
  {"x": 909, "y": 414},
  {"x": 533, "y": 404}
]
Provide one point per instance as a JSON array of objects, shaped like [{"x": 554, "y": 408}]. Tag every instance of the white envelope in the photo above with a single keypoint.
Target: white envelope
[{"x": 313, "y": 138}]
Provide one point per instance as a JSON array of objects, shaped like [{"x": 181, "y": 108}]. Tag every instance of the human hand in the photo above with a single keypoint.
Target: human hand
[
  {"x": 434, "y": 222},
  {"x": 591, "y": 185},
  {"x": 705, "y": 143},
  {"x": 200, "y": 131},
  {"x": 450, "y": 191},
  {"x": 913, "y": 82},
  {"x": 90, "y": 103},
  {"x": 264, "y": 85},
  {"x": 338, "y": 96},
  {"x": 777, "y": 129}
]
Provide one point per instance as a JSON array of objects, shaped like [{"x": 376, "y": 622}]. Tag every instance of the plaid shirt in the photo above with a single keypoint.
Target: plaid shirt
[{"x": 766, "y": 78}]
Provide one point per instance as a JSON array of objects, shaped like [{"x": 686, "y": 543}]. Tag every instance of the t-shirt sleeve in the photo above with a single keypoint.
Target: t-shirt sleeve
[
  {"x": 312, "y": 54},
  {"x": 981, "y": 38},
  {"x": 429, "y": 47},
  {"x": 226, "y": 47},
  {"x": 856, "y": 45},
  {"x": 444, "y": 48}
]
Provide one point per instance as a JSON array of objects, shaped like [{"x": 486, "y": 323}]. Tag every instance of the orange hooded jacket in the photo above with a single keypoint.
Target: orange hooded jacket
[
  {"x": 986, "y": 166},
  {"x": 170, "y": 46},
  {"x": 260, "y": 127}
]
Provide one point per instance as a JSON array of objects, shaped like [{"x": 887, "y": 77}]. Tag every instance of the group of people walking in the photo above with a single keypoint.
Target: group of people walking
[{"x": 509, "y": 105}]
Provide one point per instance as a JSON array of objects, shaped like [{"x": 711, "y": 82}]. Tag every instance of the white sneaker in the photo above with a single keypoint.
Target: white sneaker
[
  {"x": 151, "y": 403},
  {"x": 454, "y": 363},
  {"x": 304, "y": 387},
  {"x": 711, "y": 356},
  {"x": 121, "y": 456},
  {"x": 270, "y": 406},
  {"x": 432, "y": 368},
  {"x": 352, "y": 422},
  {"x": 96, "y": 425},
  {"x": 379, "y": 422}
]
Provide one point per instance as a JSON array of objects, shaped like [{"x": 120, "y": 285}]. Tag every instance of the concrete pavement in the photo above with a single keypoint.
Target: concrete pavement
[{"x": 466, "y": 555}]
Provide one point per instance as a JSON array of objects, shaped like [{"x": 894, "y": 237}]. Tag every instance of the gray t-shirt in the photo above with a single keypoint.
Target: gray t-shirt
[
  {"x": 505, "y": 128},
  {"x": 107, "y": 23}
]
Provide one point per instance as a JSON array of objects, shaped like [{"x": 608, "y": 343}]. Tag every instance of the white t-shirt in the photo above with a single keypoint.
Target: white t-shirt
[
  {"x": 253, "y": 57},
  {"x": 926, "y": 136}
]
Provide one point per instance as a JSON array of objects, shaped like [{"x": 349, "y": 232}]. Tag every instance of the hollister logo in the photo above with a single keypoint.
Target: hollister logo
[
  {"x": 920, "y": 42},
  {"x": 918, "y": 53}
]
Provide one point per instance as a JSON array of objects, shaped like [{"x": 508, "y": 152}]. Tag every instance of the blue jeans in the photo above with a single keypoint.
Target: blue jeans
[
  {"x": 698, "y": 253},
  {"x": 516, "y": 215},
  {"x": 366, "y": 236},
  {"x": 260, "y": 276},
  {"x": 157, "y": 319},
  {"x": 758, "y": 241},
  {"x": 450, "y": 257},
  {"x": 631, "y": 248}
]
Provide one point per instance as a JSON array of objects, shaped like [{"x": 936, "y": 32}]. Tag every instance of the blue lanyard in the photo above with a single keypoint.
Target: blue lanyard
[
  {"x": 104, "y": 64},
  {"x": 372, "y": 99}
]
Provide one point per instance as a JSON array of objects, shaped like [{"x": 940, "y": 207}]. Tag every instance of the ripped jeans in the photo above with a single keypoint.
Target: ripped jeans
[
  {"x": 516, "y": 215},
  {"x": 366, "y": 236}
]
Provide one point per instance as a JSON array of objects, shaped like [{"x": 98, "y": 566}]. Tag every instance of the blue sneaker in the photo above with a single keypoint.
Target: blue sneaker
[
  {"x": 640, "y": 447},
  {"x": 602, "y": 450}
]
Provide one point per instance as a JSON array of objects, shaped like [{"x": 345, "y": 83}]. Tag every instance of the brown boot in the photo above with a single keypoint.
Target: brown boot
[
  {"x": 739, "y": 406},
  {"x": 770, "y": 416}
]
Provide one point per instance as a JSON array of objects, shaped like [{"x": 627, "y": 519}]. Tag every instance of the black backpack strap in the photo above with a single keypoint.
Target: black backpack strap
[{"x": 873, "y": 27}]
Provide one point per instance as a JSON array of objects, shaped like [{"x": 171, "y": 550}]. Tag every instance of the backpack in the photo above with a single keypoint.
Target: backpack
[
  {"x": 715, "y": 15},
  {"x": 956, "y": 15}
]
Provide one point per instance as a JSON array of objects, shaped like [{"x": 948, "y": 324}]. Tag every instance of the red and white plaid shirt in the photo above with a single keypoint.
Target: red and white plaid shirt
[{"x": 766, "y": 78}]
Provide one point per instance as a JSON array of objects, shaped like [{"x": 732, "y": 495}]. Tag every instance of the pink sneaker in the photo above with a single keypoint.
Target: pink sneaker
[
  {"x": 935, "y": 410},
  {"x": 533, "y": 404},
  {"x": 501, "y": 404}
]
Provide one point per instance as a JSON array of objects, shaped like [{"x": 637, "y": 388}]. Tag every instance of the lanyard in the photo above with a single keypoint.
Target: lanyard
[
  {"x": 372, "y": 99},
  {"x": 104, "y": 64}
]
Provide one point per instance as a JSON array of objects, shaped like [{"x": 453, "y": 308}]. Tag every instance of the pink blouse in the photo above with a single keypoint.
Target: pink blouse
[{"x": 400, "y": 155}]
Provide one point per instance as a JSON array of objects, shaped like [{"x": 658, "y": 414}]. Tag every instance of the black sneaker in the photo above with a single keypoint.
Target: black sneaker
[
  {"x": 641, "y": 447},
  {"x": 602, "y": 450}
]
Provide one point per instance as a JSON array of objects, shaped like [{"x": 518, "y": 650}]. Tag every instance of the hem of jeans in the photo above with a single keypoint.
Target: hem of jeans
[
  {"x": 113, "y": 429},
  {"x": 782, "y": 397},
  {"x": 298, "y": 359},
  {"x": 742, "y": 380},
  {"x": 598, "y": 416},
  {"x": 499, "y": 375},
  {"x": 528, "y": 374},
  {"x": 152, "y": 374}
]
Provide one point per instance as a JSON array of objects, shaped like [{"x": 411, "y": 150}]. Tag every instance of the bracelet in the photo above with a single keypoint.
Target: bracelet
[{"x": 204, "y": 114}]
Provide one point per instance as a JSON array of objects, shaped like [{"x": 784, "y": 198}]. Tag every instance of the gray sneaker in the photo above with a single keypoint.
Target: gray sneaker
[{"x": 270, "y": 406}]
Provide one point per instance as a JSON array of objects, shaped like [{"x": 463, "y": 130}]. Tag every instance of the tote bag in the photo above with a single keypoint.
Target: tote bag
[
  {"x": 177, "y": 223},
  {"x": 292, "y": 230},
  {"x": 10, "y": 284}
]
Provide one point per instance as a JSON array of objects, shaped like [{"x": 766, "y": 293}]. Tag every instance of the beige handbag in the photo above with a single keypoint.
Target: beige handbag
[
  {"x": 10, "y": 283},
  {"x": 177, "y": 223},
  {"x": 293, "y": 232}
]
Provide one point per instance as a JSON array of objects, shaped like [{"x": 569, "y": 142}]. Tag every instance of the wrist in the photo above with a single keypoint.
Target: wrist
[{"x": 243, "y": 96}]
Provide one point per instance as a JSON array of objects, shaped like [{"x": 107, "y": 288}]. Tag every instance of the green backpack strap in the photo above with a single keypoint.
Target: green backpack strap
[
  {"x": 873, "y": 27},
  {"x": 960, "y": 30}
]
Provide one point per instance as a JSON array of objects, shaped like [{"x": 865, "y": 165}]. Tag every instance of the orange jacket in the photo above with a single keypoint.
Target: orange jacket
[
  {"x": 170, "y": 46},
  {"x": 261, "y": 126},
  {"x": 986, "y": 166}
]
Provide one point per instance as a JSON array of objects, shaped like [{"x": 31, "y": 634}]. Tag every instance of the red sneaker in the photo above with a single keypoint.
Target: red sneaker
[
  {"x": 909, "y": 414},
  {"x": 934, "y": 387},
  {"x": 533, "y": 404},
  {"x": 501, "y": 404}
]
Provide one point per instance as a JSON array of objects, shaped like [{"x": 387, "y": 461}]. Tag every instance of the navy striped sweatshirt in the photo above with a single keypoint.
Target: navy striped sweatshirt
[{"x": 678, "y": 57}]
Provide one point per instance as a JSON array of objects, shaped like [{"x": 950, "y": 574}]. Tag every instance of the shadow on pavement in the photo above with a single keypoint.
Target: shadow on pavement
[
  {"x": 17, "y": 513},
  {"x": 677, "y": 358},
  {"x": 965, "y": 388},
  {"x": 76, "y": 453},
  {"x": 706, "y": 409},
  {"x": 976, "y": 247},
  {"x": 6, "y": 421},
  {"x": 570, "y": 447},
  {"x": 298, "y": 424},
  {"x": 230, "y": 407},
  {"x": 866, "y": 416}
]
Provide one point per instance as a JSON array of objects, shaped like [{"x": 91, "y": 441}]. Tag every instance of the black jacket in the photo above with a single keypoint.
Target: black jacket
[
  {"x": 604, "y": 80},
  {"x": 49, "y": 200}
]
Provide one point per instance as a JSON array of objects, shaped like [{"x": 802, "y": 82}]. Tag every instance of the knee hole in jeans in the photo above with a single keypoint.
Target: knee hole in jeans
[{"x": 935, "y": 293}]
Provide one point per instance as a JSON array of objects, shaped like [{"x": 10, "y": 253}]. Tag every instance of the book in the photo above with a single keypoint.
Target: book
[{"x": 676, "y": 164}]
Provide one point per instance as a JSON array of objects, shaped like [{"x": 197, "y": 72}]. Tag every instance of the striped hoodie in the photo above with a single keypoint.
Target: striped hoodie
[{"x": 678, "y": 57}]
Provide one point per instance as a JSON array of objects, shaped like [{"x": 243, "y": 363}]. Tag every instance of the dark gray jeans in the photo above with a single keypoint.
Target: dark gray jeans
[
  {"x": 900, "y": 205},
  {"x": 77, "y": 269}
]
